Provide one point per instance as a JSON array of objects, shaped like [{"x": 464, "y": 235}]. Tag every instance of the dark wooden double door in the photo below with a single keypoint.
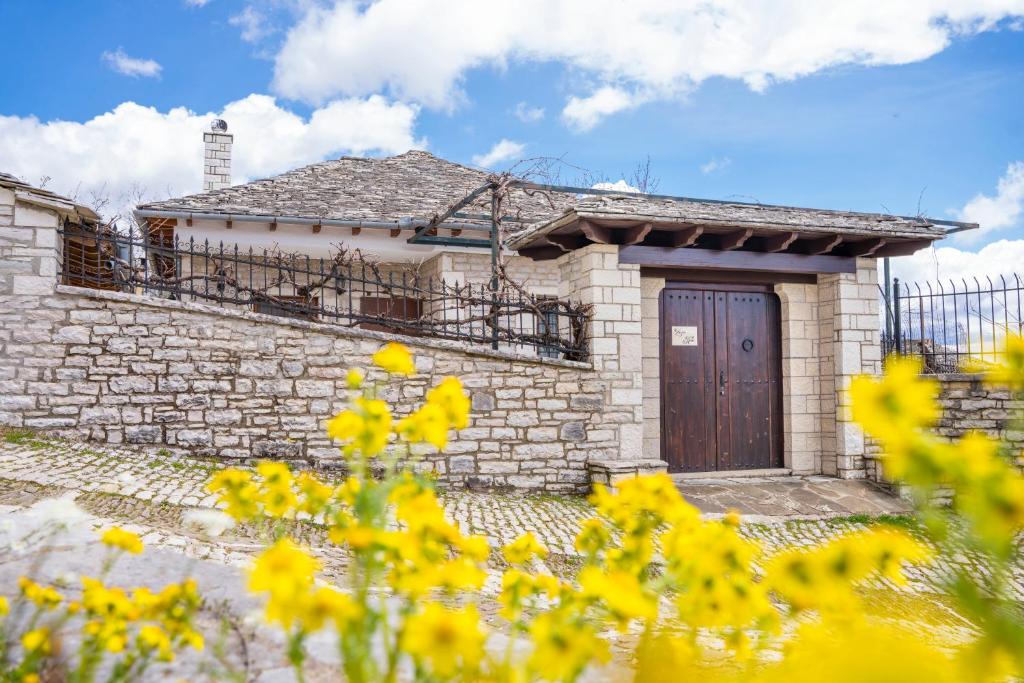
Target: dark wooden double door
[{"x": 721, "y": 392}]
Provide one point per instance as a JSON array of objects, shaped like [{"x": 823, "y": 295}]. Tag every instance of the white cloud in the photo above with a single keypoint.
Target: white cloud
[
  {"x": 131, "y": 66},
  {"x": 618, "y": 186},
  {"x": 528, "y": 114},
  {"x": 1004, "y": 210},
  {"x": 196, "y": 3},
  {"x": 503, "y": 150},
  {"x": 253, "y": 24},
  {"x": 716, "y": 165},
  {"x": 161, "y": 153},
  {"x": 421, "y": 51},
  {"x": 943, "y": 263},
  {"x": 583, "y": 113}
]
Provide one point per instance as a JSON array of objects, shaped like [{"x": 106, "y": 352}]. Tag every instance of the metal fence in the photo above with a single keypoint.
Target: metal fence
[
  {"x": 953, "y": 325},
  {"x": 344, "y": 288}
]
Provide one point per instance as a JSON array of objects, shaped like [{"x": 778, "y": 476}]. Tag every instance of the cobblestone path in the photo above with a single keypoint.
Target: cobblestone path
[{"x": 149, "y": 492}]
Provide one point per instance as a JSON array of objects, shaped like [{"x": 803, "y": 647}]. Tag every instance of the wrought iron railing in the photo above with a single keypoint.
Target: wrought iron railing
[
  {"x": 953, "y": 325},
  {"x": 344, "y": 288}
]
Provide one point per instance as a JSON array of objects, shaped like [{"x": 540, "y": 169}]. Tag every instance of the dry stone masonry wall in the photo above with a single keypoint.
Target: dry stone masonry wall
[{"x": 120, "y": 368}]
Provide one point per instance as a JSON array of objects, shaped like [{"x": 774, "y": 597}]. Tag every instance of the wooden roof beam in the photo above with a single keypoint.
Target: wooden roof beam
[
  {"x": 734, "y": 240},
  {"x": 905, "y": 248},
  {"x": 635, "y": 234},
  {"x": 596, "y": 233},
  {"x": 865, "y": 247},
  {"x": 566, "y": 242},
  {"x": 775, "y": 243},
  {"x": 819, "y": 246},
  {"x": 687, "y": 236}
]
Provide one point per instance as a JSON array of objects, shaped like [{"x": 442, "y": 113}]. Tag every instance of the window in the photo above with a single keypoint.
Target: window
[
  {"x": 391, "y": 308},
  {"x": 548, "y": 324}
]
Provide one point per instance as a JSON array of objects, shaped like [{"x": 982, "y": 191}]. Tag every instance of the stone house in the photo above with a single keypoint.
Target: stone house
[{"x": 719, "y": 336}]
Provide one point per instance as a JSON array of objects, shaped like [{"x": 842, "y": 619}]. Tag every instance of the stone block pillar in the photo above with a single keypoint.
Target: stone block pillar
[
  {"x": 28, "y": 247},
  {"x": 593, "y": 275},
  {"x": 850, "y": 346}
]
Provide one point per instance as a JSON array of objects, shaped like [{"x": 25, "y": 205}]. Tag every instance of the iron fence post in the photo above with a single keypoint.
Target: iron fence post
[
  {"x": 494, "y": 267},
  {"x": 897, "y": 331}
]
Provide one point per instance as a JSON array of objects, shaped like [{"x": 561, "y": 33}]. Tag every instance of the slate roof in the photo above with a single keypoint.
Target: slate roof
[
  {"x": 46, "y": 199},
  {"x": 419, "y": 185},
  {"x": 761, "y": 217},
  {"x": 415, "y": 184}
]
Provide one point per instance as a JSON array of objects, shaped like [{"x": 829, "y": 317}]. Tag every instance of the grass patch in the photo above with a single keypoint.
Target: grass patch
[{"x": 18, "y": 435}]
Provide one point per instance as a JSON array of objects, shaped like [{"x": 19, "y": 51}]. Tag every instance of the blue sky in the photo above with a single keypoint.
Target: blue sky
[{"x": 935, "y": 125}]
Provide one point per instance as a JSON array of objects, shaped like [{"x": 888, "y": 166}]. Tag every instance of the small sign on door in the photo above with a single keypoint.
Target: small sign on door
[{"x": 683, "y": 335}]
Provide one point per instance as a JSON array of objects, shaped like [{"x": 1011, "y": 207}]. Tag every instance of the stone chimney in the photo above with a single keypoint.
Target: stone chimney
[{"x": 217, "y": 156}]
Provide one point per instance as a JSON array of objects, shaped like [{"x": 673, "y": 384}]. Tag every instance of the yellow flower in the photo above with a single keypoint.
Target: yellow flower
[
  {"x": 274, "y": 474},
  {"x": 563, "y": 646},
  {"x": 116, "y": 537},
  {"x": 5, "y": 607},
  {"x": 367, "y": 428},
  {"x": 621, "y": 594},
  {"x": 446, "y": 641},
  {"x": 1010, "y": 372},
  {"x": 593, "y": 536},
  {"x": 354, "y": 379},
  {"x": 345, "y": 425},
  {"x": 283, "y": 568},
  {"x": 396, "y": 359},
  {"x": 899, "y": 402},
  {"x": 429, "y": 423},
  {"x": 315, "y": 494},
  {"x": 329, "y": 604},
  {"x": 450, "y": 397},
  {"x": 153, "y": 638},
  {"x": 278, "y": 501},
  {"x": 43, "y": 597},
  {"x": 36, "y": 641},
  {"x": 523, "y": 549}
]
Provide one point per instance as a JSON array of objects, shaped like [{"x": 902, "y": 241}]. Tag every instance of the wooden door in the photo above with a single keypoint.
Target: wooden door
[{"x": 720, "y": 378}]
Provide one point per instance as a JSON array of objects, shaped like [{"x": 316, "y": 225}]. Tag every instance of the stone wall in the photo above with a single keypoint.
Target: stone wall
[
  {"x": 119, "y": 368},
  {"x": 124, "y": 368}
]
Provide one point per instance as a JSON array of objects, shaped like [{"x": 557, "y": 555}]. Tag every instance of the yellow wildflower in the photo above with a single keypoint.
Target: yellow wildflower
[
  {"x": 354, "y": 379},
  {"x": 563, "y": 646},
  {"x": 429, "y": 423},
  {"x": 621, "y": 594},
  {"x": 284, "y": 568},
  {"x": 593, "y": 536},
  {"x": 278, "y": 501},
  {"x": 315, "y": 494},
  {"x": 899, "y": 402},
  {"x": 116, "y": 537},
  {"x": 153, "y": 638},
  {"x": 43, "y": 597},
  {"x": 396, "y": 359},
  {"x": 274, "y": 474},
  {"x": 523, "y": 549},
  {"x": 5, "y": 607},
  {"x": 328, "y": 604},
  {"x": 1010, "y": 372},
  {"x": 452, "y": 399},
  {"x": 345, "y": 425},
  {"x": 445, "y": 641},
  {"x": 36, "y": 641}
]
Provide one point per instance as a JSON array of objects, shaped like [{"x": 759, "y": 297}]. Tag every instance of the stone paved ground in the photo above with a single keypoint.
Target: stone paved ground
[
  {"x": 149, "y": 493},
  {"x": 780, "y": 498}
]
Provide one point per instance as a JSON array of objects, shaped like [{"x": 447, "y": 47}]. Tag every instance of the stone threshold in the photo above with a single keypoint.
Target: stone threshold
[{"x": 690, "y": 477}]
